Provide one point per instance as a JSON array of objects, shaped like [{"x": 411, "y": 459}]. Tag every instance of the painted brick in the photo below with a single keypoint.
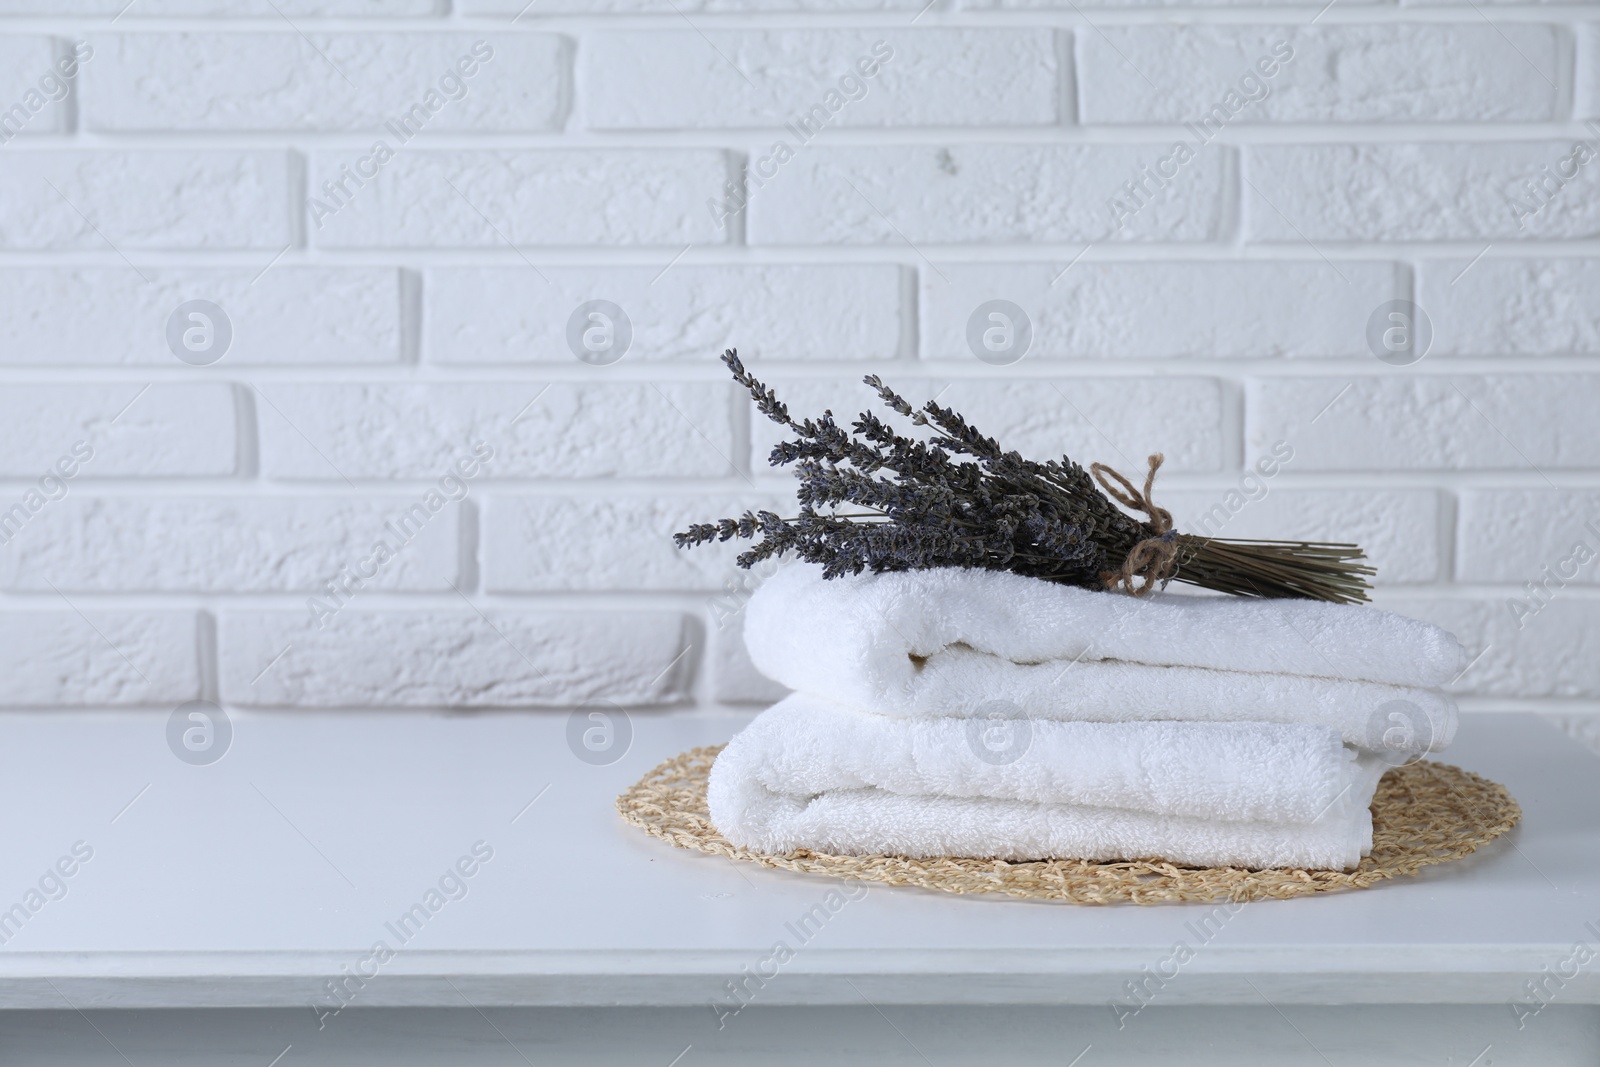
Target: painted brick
[
  {"x": 496, "y": 658},
  {"x": 537, "y": 430},
  {"x": 1067, "y": 5},
  {"x": 1413, "y": 422},
  {"x": 1587, "y": 104},
  {"x": 819, "y": 79},
  {"x": 735, "y": 678},
  {"x": 1118, "y": 421},
  {"x": 1529, "y": 535},
  {"x": 290, "y": 315},
  {"x": 485, "y": 199},
  {"x": 227, "y": 545},
  {"x": 1501, "y": 307},
  {"x": 100, "y": 658},
  {"x": 1164, "y": 310},
  {"x": 267, "y": 9},
  {"x": 605, "y": 177},
  {"x": 1426, "y": 3},
  {"x": 822, "y": 312},
  {"x": 118, "y": 430},
  {"x": 326, "y": 81},
  {"x": 1398, "y": 528},
  {"x": 115, "y": 201},
  {"x": 1450, "y": 192},
  {"x": 33, "y": 94},
  {"x": 1554, "y": 653},
  {"x": 963, "y": 194},
  {"x": 648, "y": 7},
  {"x": 1420, "y": 72},
  {"x": 598, "y": 543}
]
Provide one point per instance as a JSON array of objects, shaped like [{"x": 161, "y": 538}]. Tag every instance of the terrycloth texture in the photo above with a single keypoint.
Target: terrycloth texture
[
  {"x": 959, "y": 681},
  {"x": 801, "y": 629},
  {"x": 805, "y": 774},
  {"x": 1234, "y": 771},
  {"x": 867, "y": 822}
]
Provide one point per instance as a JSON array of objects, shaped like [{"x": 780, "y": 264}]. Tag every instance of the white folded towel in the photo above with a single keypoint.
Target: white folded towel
[
  {"x": 806, "y": 774},
  {"x": 915, "y": 642},
  {"x": 867, "y": 822},
  {"x": 959, "y": 681},
  {"x": 1236, "y": 771}
]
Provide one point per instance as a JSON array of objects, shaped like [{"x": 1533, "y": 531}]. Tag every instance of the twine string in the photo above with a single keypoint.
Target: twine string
[{"x": 1154, "y": 559}]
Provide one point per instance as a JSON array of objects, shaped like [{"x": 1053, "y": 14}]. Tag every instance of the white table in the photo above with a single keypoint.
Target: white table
[{"x": 219, "y": 902}]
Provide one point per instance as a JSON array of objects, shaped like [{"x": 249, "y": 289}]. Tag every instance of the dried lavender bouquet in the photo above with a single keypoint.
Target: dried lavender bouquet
[{"x": 957, "y": 499}]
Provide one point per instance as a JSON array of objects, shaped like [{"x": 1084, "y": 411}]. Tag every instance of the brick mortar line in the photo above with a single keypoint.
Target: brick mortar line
[
  {"x": 1061, "y": 16},
  {"x": 567, "y": 74},
  {"x": 386, "y": 601},
  {"x": 1306, "y": 133},
  {"x": 766, "y": 481},
  {"x": 618, "y": 599},
  {"x": 705, "y": 371},
  {"x": 643, "y": 490},
  {"x": 558, "y": 257}
]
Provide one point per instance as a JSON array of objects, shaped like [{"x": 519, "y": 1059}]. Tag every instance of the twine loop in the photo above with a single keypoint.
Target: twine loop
[{"x": 1155, "y": 559}]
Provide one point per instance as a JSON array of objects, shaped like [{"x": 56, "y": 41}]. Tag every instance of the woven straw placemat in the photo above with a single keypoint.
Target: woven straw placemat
[{"x": 1423, "y": 813}]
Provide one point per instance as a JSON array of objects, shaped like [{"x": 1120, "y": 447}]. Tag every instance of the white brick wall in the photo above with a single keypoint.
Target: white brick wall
[
  {"x": 99, "y": 658},
  {"x": 1324, "y": 73},
  {"x": 771, "y": 311},
  {"x": 636, "y": 553},
  {"x": 1396, "y": 422},
  {"x": 1503, "y": 307},
  {"x": 983, "y": 194},
  {"x": 430, "y": 198},
  {"x": 343, "y": 81},
  {"x": 125, "y": 430},
  {"x": 150, "y": 543},
  {"x": 1169, "y": 310},
  {"x": 536, "y": 429},
  {"x": 32, "y": 104},
  {"x": 924, "y": 78},
  {"x": 137, "y": 200},
  {"x": 61, "y": 316},
  {"x": 1201, "y": 206},
  {"x": 503, "y": 659},
  {"x": 1414, "y": 192}
]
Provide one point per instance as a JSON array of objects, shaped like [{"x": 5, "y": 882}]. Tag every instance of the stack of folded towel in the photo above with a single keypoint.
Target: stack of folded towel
[{"x": 954, "y": 712}]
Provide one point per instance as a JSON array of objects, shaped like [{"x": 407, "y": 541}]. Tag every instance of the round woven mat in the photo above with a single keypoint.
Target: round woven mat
[{"x": 1423, "y": 813}]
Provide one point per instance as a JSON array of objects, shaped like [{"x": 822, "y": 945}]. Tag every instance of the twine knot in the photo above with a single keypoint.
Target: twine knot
[{"x": 1155, "y": 559}]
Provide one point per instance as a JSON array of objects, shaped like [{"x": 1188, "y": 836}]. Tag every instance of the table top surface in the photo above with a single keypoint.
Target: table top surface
[{"x": 291, "y": 856}]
